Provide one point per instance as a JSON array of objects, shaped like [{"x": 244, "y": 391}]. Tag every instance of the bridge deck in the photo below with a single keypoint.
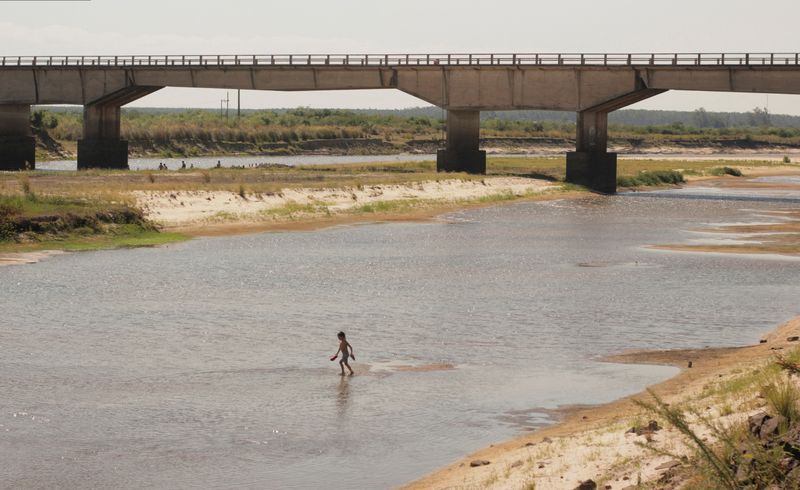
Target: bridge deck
[{"x": 386, "y": 60}]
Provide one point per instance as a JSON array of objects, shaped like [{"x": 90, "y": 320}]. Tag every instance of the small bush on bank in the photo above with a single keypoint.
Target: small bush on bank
[
  {"x": 651, "y": 178},
  {"x": 719, "y": 171},
  {"x": 784, "y": 400}
]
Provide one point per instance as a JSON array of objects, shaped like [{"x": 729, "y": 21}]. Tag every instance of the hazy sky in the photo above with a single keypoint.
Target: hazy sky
[{"x": 110, "y": 27}]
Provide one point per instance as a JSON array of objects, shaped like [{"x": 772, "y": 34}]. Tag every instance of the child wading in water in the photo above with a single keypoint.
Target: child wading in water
[{"x": 347, "y": 352}]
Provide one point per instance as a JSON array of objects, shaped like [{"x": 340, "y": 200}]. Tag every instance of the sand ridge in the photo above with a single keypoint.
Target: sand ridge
[{"x": 185, "y": 208}]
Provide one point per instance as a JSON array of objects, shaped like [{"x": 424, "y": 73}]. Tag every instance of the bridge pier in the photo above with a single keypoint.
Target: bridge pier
[
  {"x": 591, "y": 165},
  {"x": 17, "y": 144},
  {"x": 101, "y": 146},
  {"x": 461, "y": 153}
]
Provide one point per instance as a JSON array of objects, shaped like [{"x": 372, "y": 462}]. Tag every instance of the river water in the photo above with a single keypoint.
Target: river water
[
  {"x": 246, "y": 161},
  {"x": 206, "y": 363}
]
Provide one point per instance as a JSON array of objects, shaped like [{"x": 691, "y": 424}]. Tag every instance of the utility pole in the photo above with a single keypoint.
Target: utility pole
[{"x": 224, "y": 105}]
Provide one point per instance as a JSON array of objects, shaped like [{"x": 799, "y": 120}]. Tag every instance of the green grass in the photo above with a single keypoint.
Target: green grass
[
  {"x": 292, "y": 208},
  {"x": 78, "y": 242},
  {"x": 389, "y": 206},
  {"x": 719, "y": 171},
  {"x": 31, "y": 222},
  {"x": 499, "y": 197},
  {"x": 784, "y": 400},
  {"x": 37, "y": 205},
  {"x": 651, "y": 178}
]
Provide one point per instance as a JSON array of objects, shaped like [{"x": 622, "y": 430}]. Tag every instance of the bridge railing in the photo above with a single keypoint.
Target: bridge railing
[{"x": 571, "y": 59}]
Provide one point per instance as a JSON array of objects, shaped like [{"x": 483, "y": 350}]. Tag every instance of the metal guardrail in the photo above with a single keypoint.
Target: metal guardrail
[{"x": 377, "y": 60}]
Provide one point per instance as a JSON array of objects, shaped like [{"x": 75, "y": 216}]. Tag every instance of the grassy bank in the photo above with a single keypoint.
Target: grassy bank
[
  {"x": 31, "y": 222},
  {"x": 729, "y": 421},
  {"x": 98, "y": 208},
  {"x": 113, "y": 185}
]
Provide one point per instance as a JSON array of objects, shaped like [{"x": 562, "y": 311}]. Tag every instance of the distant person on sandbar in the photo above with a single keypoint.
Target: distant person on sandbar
[{"x": 347, "y": 352}]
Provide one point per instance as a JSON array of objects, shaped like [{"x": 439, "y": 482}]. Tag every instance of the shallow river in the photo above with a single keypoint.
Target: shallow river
[
  {"x": 205, "y": 364},
  {"x": 246, "y": 161}
]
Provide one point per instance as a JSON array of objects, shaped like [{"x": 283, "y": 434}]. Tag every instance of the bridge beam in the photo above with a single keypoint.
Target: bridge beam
[
  {"x": 461, "y": 153},
  {"x": 17, "y": 144},
  {"x": 591, "y": 165},
  {"x": 101, "y": 146}
]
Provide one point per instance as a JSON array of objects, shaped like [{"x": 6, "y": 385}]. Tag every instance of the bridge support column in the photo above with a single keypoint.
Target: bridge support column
[
  {"x": 17, "y": 144},
  {"x": 591, "y": 165},
  {"x": 461, "y": 153},
  {"x": 101, "y": 146}
]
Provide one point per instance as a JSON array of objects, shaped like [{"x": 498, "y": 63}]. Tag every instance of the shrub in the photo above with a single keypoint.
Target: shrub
[
  {"x": 650, "y": 178},
  {"x": 7, "y": 230},
  {"x": 25, "y": 184},
  {"x": 726, "y": 171},
  {"x": 10, "y": 206},
  {"x": 783, "y": 398},
  {"x": 786, "y": 159}
]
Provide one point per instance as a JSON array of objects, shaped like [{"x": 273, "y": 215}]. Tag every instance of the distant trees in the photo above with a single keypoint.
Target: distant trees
[
  {"x": 759, "y": 117},
  {"x": 701, "y": 118}
]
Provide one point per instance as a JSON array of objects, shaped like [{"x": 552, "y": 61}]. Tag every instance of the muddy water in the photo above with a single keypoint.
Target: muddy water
[{"x": 205, "y": 364}]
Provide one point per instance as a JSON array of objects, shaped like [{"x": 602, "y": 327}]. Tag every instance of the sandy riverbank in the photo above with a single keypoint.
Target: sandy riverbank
[
  {"x": 594, "y": 442},
  {"x": 217, "y": 212}
]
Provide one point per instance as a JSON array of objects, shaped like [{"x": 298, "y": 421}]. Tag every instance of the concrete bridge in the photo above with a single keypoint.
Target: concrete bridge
[{"x": 592, "y": 85}]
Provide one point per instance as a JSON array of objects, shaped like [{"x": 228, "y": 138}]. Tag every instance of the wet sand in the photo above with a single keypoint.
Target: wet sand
[{"x": 780, "y": 235}]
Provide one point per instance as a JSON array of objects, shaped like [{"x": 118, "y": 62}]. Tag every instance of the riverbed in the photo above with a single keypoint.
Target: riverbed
[{"x": 205, "y": 364}]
